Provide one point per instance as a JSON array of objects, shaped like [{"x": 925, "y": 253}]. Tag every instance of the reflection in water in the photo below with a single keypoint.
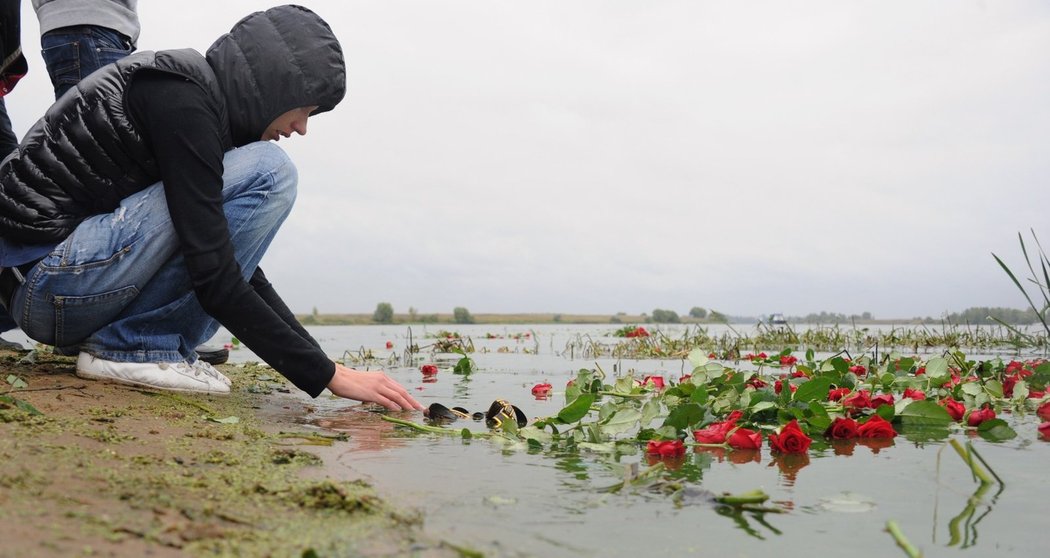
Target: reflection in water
[
  {"x": 367, "y": 430},
  {"x": 740, "y": 518},
  {"x": 790, "y": 464},
  {"x": 736, "y": 456},
  {"x": 963, "y": 527}
]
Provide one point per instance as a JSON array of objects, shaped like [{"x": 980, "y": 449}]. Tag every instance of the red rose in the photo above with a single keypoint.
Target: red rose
[
  {"x": 861, "y": 399},
  {"x": 390, "y": 344},
  {"x": 541, "y": 390},
  {"x": 714, "y": 433},
  {"x": 912, "y": 393},
  {"x": 954, "y": 408},
  {"x": 876, "y": 427},
  {"x": 711, "y": 356},
  {"x": 1044, "y": 411},
  {"x": 837, "y": 394},
  {"x": 742, "y": 438},
  {"x": 657, "y": 381},
  {"x": 842, "y": 429},
  {"x": 665, "y": 448},
  {"x": 977, "y": 416},
  {"x": 1044, "y": 430},
  {"x": 790, "y": 439},
  {"x": 880, "y": 400},
  {"x": 717, "y": 432},
  {"x": 858, "y": 370},
  {"x": 920, "y": 371},
  {"x": 788, "y": 360},
  {"x": 758, "y": 383},
  {"x": 1036, "y": 394},
  {"x": 428, "y": 369}
]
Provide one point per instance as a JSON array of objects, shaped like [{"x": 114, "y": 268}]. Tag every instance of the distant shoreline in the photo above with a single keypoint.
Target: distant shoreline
[{"x": 552, "y": 318}]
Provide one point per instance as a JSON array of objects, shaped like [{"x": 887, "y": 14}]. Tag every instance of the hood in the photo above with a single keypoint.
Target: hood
[{"x": 274, "y": 61}]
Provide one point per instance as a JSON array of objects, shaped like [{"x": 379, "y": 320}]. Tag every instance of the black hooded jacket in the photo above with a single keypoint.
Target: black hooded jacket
[{"x": 170, "y": 116}]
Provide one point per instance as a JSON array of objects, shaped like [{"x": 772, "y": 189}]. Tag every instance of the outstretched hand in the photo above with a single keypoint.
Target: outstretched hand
[{"x": 373, "y": 387}]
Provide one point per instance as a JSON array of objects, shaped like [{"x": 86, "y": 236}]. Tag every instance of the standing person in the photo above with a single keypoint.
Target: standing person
[
  {"x": 78, "y": 37},
  {"x": 12, "y": 68},
  {"x": 138, "y": 255}
]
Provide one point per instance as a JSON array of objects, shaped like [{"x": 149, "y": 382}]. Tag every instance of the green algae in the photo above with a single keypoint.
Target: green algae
[{"x": 135, "y": 469}]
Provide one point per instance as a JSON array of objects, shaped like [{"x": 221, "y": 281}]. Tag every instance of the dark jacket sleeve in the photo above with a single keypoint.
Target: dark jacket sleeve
[{"x": 184, "y": 132}]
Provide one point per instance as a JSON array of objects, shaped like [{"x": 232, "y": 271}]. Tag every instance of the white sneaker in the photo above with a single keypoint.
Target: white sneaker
[
  {"x": 210, "y": 370},
  {"x": 170, "y": 376}
]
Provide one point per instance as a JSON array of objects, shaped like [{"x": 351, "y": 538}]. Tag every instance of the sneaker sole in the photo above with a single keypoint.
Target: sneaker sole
[{"x": 109, "y": 379}]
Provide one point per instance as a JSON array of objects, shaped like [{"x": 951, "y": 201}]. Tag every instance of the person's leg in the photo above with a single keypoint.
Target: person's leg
[
  {"x": 118, "y": 287},
  {"x": 73, "y": 53}
]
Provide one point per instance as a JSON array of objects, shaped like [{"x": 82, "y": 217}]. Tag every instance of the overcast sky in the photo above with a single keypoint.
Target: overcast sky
[{"x": 605, "y": 156}]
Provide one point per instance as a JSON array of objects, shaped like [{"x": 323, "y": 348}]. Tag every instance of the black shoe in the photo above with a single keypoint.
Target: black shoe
[
  {"x": 6, "y": 345},
  {"x": 212, "y": 354}
]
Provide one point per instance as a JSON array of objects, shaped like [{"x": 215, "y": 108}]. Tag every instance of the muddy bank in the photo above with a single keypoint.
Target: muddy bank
[{"x": 89, "y": 468}]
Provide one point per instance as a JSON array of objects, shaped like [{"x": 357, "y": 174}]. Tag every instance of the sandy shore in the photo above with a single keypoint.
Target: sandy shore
[{"x": 90, "y": 468}]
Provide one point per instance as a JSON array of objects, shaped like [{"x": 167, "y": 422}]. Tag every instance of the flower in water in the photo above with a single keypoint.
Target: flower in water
[
  {"x": 836, "y": 394},
  {"x": 842, "y": 428},
  {"x": 428, "y": 369},
  {"x": 656, "y": 380},
  {"x": 1044, "y": 430},
  {"x": 788, "y": 360},
  {"x": 858, "y": 370},
  {"x": 637, "y": 332},
  {"x": 716, "y": 433},
  {"x": 916, "y": 394},
  {"x": 742, "y": 438},
  {"x": 665, "y": 448},
  {"x": 541, "y": 391},
  {"x": 1044, "y": 411},
  {"x": 861, "y": 399},
  {"x": 790, "y": 439},
  {"x": 977, "y": 416},
  {"x": 880, "y": 400},
  {"x": 390, "y": 344},
  {"x": 876, "y": 427},
  {"x": 955, "y": 409}
]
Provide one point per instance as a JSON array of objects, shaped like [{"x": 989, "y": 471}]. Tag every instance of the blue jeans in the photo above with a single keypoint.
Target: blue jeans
[
  {"x": 118, "y": 286},
  {"x": 73, "y": 53}
]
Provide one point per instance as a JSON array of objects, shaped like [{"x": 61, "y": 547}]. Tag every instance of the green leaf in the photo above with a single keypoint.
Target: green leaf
[
  {"x": 576, "y": 410},
  {"x": 19, "y": 404},
  {"x": 622, "y": 421},
  {"x": 937, "y": 368},
  {"x": 464, "y": 366},
  {"x": 971, "y": 388},
  {"x": 925, "y": 413},
  {"x": 994, "y": 388},
  {"x": 996, "y": 430},
  {"x": 699, "y": 395},
  {"x": 697, "y": 357},
  {"x": 813, "y": 390},
  {"x": 683, "y": 416},
  {"x": 650, "y": 410},
  {"x": 532, "y": 433},
  {"x": 762, "y": 406},
  {"x": 16, "y": 382}
]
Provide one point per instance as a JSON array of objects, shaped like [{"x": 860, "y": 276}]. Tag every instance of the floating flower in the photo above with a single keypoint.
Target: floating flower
[
  {"x": 428, "y": 369},
  {"x": 637, "y": 332},
  {"x": 876, "y": 427},
  {"x": 656, "y": 380},
  {"x": 858, "y": 370},
  {"x": 861, "y": 399},
  {"x": 880, "y": 400},
  {"x": 955, "y": 409},
  {"x": 390, "y": 344},
  {"x": 778, "y": 386},
  {"x": 665, "y": 448},
  {"x": 757, "y": 383},
  {"x": 842, "y": 428},
  {"x": 541, "y": 390},
  {"x": 1044, "y": 430},
  {"x": 1044, "y": 411},
  {"x": 712, "y": 355},
  {"x": 977, "y": 416},
  {"x": 716, "y": 433},
  {"x": 920, "y": 371},
  {"x": 788, "y": 360},
  {"x": 742, "y": 438},
  {"x": 912, "y": 393},
  {"x": 836, "y": 394},
  {"x": 790, "y": 439}
]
